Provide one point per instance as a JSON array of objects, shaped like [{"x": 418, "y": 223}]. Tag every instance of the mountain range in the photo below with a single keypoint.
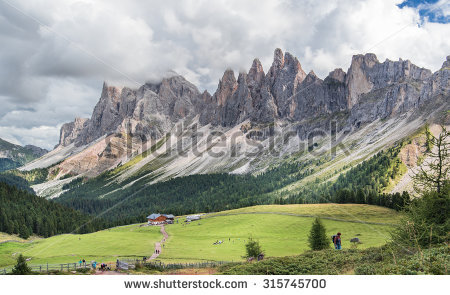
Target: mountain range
[
  {"x": 13, "y": 156},
  {"x": 250, "y": 123}
]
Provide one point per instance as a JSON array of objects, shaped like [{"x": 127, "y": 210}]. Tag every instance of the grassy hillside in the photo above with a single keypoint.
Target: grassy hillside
[
  {"x": 345, "y": 212},
  {"x": 279, "y": 235},
  {"x": 106, "y": 245},
  {"x": 362, "y": 184}
]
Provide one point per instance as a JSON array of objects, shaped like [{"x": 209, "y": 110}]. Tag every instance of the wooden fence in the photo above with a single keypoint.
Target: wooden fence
[
  {"x": 155, "y": 264},
  {"x": 51, "y": 267},
  {"x": 125, "y": 264}
]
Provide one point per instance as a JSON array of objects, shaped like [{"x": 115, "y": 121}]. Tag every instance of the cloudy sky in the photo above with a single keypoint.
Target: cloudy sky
[{"x": 54, "y": 55}]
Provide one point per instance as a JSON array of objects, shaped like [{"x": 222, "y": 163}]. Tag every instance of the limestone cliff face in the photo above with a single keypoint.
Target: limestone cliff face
[
  {"x": 437, "y": 84},
  {"x": 149, "y": 111},
  {"x": 368, "y": 91},
  {"x": 382, "y": 90},
  {"x": 70, "y": 131}
]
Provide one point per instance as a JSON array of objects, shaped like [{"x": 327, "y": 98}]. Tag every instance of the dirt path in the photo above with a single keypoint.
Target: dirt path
[{"x": 158, "y": 244}]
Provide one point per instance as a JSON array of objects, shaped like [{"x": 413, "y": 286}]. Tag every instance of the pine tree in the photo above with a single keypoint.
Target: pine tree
[
  {"x": 434, "y": 173},
  {"x": 252, "y": 248},
  {"x": 21, "y": 268},
  {"x": 317, "y": 236}
]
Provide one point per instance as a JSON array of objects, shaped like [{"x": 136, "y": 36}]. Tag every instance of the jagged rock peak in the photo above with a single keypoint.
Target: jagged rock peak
[
  {"x": 256, "y": 74},
  {"x": 256, "y": 66},
  {"x": 206, "y": 96},
  {"x": 242, "y": 78},
  {"x": 278, "y": 59},
  {"x": 292, "y": 61},
  {"x": 70, "y": 131},
  {"x": 368, "y": 60},
  {"x": 311, "y": 77},
  {"x": 446, "y": 63},
  {"x": 112, "y": 92},
  {"x": 337, "y": 74},
  {"x": 227, "y": 85}
]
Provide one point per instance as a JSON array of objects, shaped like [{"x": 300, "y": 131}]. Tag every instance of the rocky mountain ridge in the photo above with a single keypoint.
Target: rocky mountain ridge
[
  {"x": 367, "y": 91},
  {"x": 13, "y": 156},
  {"x": 126, "y": 122}
]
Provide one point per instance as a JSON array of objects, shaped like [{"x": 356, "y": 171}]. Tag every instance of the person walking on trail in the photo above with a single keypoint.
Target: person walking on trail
[
  {"x": 81, "y": 261},
  {"x": 337, "y": 241}
]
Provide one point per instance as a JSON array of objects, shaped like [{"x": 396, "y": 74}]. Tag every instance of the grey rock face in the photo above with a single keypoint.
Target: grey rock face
[
  {"x": 71, "y": 131},
  {"x": 149, "y": 111},
  {"x": 369, "y": 90},
  {"x": 437, "y": 84},
  {"x": 381, "y": 90},
  {"x": 284, "y": 77}
]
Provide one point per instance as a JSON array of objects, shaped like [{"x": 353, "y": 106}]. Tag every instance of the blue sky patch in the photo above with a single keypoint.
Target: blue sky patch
[{"x": 431, "y": 10}]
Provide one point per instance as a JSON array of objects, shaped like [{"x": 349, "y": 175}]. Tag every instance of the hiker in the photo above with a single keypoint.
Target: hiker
[
  {"x": 84, "y": 261},
  {"x": 337, "y": 241},
  {"x": 94, "y": 265},
  {"x": 80, "y": 262}
]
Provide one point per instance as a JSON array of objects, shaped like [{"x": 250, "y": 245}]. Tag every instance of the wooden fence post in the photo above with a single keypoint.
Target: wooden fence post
[
  {"x": 40, "y": 268},
  {"x": 61, "y": 267},
  {"x": 47, "y": 267}
]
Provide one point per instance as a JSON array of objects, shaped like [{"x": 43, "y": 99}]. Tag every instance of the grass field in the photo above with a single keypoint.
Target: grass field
[
  {"x": 101, "y": 246},
  {"x": 278, "y": 233},
  {"x": 6, "y": 237},
  {"x": 347, "y": 212}
]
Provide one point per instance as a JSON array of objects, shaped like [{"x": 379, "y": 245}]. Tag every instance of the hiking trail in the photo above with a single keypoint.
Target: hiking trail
[{"x": 158, "y": 244}]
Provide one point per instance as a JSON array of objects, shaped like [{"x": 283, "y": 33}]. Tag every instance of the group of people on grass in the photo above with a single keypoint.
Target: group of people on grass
[{"x": 103, "y": 266}]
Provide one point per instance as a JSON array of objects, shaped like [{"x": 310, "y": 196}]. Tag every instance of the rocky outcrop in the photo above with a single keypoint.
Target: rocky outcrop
[
  {"x": 437, "y": 84},
  {"x": 70, "y": 131},
  {"x": 368, "y": 91},
  {"x": 382, "y": 90},
  {"x": 149, "y": 111}
]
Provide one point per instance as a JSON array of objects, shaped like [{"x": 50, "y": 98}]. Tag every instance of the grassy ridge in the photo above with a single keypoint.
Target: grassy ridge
[{"x": 348, "y": 212}]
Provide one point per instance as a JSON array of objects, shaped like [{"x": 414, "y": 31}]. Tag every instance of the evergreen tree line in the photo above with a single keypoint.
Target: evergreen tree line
[
  {"x": 181, "y": 195},
  {"x": 24, "y": 213},
  {"x": 362, "y": 184}
]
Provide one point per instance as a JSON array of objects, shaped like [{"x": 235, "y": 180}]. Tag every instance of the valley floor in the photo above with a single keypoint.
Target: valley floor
[{"x": 282, "y": 230}]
